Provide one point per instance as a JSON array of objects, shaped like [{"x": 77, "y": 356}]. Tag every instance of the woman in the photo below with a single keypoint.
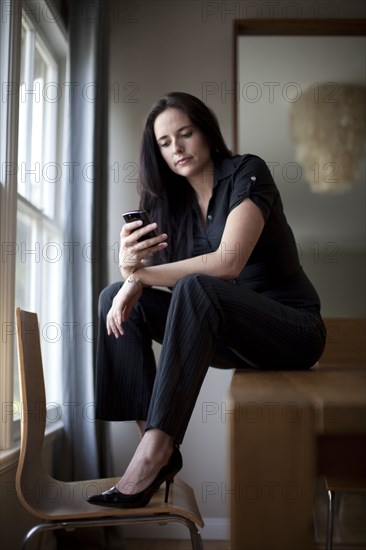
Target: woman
[{"x": 239, "y": 296}]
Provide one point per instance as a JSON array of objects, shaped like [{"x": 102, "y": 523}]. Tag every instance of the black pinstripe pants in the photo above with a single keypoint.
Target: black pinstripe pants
[{"x": 204, "y": 321}]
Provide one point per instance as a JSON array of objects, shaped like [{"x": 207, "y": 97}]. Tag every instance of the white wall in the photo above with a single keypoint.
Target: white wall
[
  {"x": 160, "y": 46},
  {"x": 170, "y": 46},
  {"x": 340, "y": 280}
]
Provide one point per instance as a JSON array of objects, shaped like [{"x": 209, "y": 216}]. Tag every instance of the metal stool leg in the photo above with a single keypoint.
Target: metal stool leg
[{"x": 330, "y": 520}]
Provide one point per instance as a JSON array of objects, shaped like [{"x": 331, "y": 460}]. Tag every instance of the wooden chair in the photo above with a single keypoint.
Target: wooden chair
[
  {"x": 63, "y": 505},
  {"x": 346, "y": 348}
]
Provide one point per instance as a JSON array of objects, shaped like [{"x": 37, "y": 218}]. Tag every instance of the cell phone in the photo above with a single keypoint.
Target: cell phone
[{"x": 134, "y": 215}]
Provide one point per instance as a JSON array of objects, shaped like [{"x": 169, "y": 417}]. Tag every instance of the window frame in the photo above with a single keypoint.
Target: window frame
[{"x": 50, "y": 31}]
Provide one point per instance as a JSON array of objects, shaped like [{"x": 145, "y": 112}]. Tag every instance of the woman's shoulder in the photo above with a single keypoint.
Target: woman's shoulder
[
  {"x": 248, "y": 159},
  {"x": 237, "y": 163}
]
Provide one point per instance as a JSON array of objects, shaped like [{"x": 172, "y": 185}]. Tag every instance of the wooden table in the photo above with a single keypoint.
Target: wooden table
[{"x": 287, "y": 428}]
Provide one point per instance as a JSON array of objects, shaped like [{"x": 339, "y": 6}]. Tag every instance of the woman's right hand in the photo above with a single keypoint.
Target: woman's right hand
[
  {"x": 132, "y": 251},
  {"x": 122, "y": 304}
]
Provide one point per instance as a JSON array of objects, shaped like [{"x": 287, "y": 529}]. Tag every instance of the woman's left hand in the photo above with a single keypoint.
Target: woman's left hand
[
  {"x": 127, "y": 296},
  {"x": 134, "y": 252}
]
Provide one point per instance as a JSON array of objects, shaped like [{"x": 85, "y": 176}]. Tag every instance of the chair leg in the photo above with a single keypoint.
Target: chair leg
[
  {"x": 330, "y": 520},
  {"x": 195, "y": 535},
  {"x": 156, "y": 518},
  {"x": 37, "y": 529}
]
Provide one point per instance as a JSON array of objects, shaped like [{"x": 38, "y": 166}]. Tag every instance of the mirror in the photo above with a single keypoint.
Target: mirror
[{"x": 276, "y": 65}]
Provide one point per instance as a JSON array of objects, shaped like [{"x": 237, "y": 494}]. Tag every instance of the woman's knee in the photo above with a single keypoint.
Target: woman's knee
[
  {"x": 197, "y": 289},
  {"x": 191, "y": 281},
  {"x": 106, "y": 298}
]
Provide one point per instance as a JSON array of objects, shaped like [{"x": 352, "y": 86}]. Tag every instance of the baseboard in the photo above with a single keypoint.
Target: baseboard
[{"x": 214, "y": 529}]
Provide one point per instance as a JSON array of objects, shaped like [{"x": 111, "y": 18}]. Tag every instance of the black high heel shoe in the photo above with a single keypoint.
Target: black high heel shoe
[{"x": 114, "y": 498}]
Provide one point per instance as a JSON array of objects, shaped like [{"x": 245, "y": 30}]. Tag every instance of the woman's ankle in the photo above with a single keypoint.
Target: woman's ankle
[{"x": 156, "y": 445}]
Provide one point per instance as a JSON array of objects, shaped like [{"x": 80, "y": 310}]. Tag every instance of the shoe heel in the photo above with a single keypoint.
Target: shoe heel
[{"x": 167, "y": 487}]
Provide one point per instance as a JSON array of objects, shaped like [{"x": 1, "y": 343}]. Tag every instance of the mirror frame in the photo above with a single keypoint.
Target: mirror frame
[{"x": 286, "y": 27}]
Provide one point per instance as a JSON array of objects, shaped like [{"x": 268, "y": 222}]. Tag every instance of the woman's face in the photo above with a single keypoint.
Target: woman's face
[{"x": 182, "y": 146}]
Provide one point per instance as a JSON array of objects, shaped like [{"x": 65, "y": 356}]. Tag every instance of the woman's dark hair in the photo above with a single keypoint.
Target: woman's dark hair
[{"x": 167, "y": 196}]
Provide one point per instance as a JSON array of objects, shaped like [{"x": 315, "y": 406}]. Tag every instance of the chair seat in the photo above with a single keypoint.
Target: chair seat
[{"x": 53, "y": 500}]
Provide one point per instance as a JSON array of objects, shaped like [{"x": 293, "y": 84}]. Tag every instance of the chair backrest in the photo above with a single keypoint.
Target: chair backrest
[
  {"x": 33, "y": 403},
  {"x": 346, "y": 342}
]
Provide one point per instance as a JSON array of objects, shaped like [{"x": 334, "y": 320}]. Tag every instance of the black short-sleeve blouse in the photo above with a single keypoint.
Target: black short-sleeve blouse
[{"x": 273, "y": 267}]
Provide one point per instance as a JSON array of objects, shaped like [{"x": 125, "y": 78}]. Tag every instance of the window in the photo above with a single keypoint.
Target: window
[
  {"x": 38, "y": 208},
  {"x": 31, "y": 250}
]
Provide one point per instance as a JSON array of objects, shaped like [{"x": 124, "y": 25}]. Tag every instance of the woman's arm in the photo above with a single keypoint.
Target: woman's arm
[{"x": 242, "y": 231}]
